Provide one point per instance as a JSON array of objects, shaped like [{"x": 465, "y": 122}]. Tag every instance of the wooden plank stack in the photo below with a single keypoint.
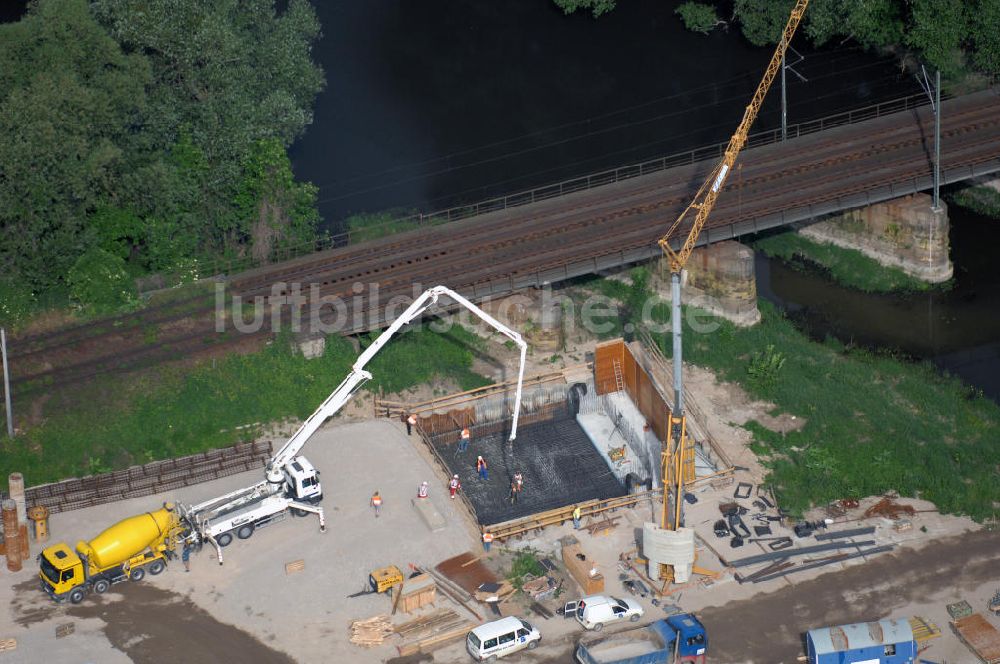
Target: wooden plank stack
[
  {"x": 371, "y": 632},
  {"x": 438, "y": 640},
  {"x": 439, "y": 620}
]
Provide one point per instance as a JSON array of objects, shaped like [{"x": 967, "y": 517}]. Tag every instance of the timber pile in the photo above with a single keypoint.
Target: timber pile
[
  {"x": 439, "y": 640},
  {"x": 441, "y": 620},
  {"x": 371, "y": 632},
  {"x": 8, "y": 644}
]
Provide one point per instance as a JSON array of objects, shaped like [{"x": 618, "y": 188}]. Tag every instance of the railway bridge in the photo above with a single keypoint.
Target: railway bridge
[
  {"x": 547, "y": 235},
  {"x": 614, "y": 218}
]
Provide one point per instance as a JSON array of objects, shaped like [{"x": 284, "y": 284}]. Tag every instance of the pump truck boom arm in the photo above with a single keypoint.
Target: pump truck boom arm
[{"x": 359, "y": 375}]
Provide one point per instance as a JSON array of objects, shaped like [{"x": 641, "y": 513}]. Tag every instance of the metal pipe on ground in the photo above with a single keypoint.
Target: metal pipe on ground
[
  {"x": 832, "y": 559},
  {"x": 785, "y": 553},
  {"x": 841, "y": 534}
]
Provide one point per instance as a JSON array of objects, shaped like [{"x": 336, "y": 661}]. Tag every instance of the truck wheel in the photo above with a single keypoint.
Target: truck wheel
[
  {"x": 225, "y": 539},
  {"x": 156, "y": 567},
  {"x": 634, "y": 618},
  {"x": 245, "y": 531},
  {"x": 137, "y": 574},
  {"x": 297, "y": 512},
  {"x": 75, "y": 596},
  {"x": 101, "y": 586},
  {"x": 598, "y": 627}
]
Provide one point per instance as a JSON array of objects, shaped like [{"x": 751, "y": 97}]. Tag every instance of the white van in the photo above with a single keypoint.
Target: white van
[
  {"x": 500, "y": 638},
  {"x": 594, "y": 611}
]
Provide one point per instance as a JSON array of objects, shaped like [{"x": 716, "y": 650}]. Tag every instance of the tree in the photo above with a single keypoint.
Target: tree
[
  {"x": 228, "y": 75},
  {"x": 937, "y": 29},
  {"x": 698, "y": 16},
  {"x": 69, "y": 101},
  {"x": 762, "y": 20},
  {"x": 984, "y": 20},
  {"x": 597, "y": 7},
  {"x": 275, "y": 210}
]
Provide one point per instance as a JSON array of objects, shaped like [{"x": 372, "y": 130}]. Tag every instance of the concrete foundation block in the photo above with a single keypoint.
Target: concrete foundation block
[
  {"x": 430, "y": 514},
  {"x": 313, "y": 348}
]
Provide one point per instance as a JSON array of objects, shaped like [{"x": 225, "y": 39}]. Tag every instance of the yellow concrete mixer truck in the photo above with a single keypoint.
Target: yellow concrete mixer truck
[{"x": 125, "y": 551}]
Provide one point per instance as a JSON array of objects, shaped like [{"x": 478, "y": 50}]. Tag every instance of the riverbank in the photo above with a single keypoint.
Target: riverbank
[
  {"x": 847, "y": 267},
  {"x": 873, "y": 421}
]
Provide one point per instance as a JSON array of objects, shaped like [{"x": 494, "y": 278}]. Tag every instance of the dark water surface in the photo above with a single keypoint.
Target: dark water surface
[
  {"x": 433, "y": 103},
  {"x": 957, "y": 329}
]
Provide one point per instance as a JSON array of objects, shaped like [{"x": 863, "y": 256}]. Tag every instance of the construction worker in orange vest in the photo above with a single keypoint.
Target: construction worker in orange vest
[
  {"x": 487, "y": 540},
  {"x": 377, "y": 503},
  {"x": 484, "y": 473},
  {"x": 453, "y": 486},
  {"x": 411, "y": 421},
  {"x": 463, "y": 441}
]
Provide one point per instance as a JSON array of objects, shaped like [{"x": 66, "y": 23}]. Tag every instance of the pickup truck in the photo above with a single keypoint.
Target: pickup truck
[{"x": 677, "y": 639}]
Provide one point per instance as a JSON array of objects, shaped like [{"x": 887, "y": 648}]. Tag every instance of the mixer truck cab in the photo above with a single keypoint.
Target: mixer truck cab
[{"x": 125, "y": 551}]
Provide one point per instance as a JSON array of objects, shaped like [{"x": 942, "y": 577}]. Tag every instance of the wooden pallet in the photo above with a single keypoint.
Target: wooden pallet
[
  {"x": 295, "y": 566},
  {"x": 8, "y": 644}
]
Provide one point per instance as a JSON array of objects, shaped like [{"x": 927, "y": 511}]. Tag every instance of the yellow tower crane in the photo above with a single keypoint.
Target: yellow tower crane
[{"x": 673, "y": 455}]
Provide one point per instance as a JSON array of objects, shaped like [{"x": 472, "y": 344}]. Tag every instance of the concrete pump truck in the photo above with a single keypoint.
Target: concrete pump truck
[{"x": 141, "y": 543}]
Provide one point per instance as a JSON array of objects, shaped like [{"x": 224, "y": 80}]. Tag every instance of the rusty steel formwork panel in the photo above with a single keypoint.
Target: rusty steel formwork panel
[
  {"x": 149, "y": 479},
  {"x": 981, "y": 637}
]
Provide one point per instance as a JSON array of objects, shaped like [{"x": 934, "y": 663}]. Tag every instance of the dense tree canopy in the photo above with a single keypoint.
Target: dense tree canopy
[
  {"x": 153, "y": 131},
  {"x": 952, "y": 35}
]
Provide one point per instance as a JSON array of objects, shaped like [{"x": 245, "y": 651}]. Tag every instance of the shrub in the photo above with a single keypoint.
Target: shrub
[
  {"x": 765, "y": 366},
  {"x": 99, "y": 284},
  {"x": 16, "y": 302}
]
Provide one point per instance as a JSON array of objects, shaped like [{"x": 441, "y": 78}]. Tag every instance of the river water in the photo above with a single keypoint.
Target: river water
[{"x": 438, "y": 102}]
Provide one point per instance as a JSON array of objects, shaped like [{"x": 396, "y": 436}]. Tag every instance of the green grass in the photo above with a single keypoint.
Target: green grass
[
  {"x": 983, "y": 200},
  {"x": 114, "y": 424},
  {"x": 873, "y": 422},
  {"x": 365, "y": 227},
  {"x": 847, "y": 267}
]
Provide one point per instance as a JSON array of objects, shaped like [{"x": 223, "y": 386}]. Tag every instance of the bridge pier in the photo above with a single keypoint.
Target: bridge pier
[
  {"x": 720, "y": 280},
  {"x": 904, "y": 233}
]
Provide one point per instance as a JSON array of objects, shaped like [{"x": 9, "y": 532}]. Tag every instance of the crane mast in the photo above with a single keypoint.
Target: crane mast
[{"x": 702, "y": 204}]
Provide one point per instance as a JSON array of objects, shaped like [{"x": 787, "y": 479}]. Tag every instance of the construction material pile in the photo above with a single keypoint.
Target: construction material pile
[{"x": 371, "y": 632}]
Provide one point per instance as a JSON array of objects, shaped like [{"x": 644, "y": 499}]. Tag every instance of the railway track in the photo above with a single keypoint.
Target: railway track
[{"x": 495, "y": 252}]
